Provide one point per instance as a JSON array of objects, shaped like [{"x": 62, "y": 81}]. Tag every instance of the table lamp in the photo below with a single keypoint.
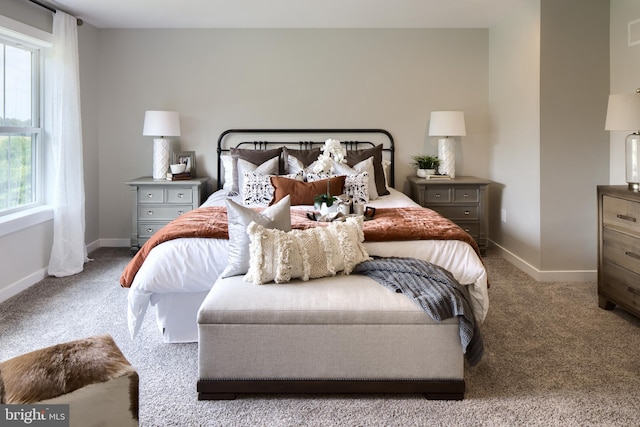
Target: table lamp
[
  {"x": 445, "y": 124},
  {"x": 623, "y": 113},
  {"x": 161, "y": 124}
]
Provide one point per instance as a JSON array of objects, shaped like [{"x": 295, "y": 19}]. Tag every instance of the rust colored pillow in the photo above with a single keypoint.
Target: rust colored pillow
[{"x": 303, "y": 193}]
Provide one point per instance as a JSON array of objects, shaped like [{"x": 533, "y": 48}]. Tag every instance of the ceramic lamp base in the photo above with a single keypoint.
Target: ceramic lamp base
[
  {"x": 160, "y": 158},
  {"x": 632, "y": 160},
  {"x": 447, "y": 156}
]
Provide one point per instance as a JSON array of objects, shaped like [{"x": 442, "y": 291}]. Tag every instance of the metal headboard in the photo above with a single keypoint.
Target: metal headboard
[{"x": 388, "y": 147}]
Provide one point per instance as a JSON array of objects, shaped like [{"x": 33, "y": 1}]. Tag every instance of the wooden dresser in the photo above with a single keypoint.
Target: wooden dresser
[
  {"x": 462, "y": 199},
  {"x": 155, "y": 203},
  {"x": 618, "y": 248}
]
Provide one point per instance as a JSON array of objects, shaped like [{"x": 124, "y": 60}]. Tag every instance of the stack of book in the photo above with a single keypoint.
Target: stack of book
[
  {"x": 438, "y": 177},
  {"x": 178, "y": 176}
]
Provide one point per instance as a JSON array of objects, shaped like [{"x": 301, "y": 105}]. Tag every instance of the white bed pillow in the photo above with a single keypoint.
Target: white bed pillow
[
  {"x": 239, "y": 217},
  {"x": 227, "y": 165},
  {"x": 280, "y": 256}
]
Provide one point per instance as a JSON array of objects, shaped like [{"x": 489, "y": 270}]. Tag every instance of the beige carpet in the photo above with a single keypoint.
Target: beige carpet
[{"x": 552, "y": 357}]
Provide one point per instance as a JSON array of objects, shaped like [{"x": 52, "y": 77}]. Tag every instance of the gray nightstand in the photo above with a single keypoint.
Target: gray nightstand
[
  {"x": 462, "y": 199},
  {"x": 158, "y": 202}
]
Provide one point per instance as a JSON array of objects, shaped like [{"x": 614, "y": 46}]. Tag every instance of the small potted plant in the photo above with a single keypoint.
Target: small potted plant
[{"x": 426, "y": 164}]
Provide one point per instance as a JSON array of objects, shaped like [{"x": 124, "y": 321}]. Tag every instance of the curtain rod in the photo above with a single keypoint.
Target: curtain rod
[{"x": 54, "y": 10}]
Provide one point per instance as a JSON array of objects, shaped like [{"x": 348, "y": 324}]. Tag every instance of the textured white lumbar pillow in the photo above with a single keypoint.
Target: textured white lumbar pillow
[{"x": 280, "y": 256}]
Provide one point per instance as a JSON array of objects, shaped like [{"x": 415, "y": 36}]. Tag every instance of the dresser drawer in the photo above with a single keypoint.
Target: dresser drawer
[
  {"x": 179, "y": 195},
  {"x": 146, "y": 229},
  {"x": 457, "y": 213},
  {"x": 466, "y": 195},
  {"x": 437, "y": 195},
  {"x": 621, "y": 249},
  {"x": 472, "y": 228},
  {"x": 162, "y": 212},
  {"x": 620, "y": 285},
  {"x": 621, "y": 214},
  {"x": 150, "y": 195}
]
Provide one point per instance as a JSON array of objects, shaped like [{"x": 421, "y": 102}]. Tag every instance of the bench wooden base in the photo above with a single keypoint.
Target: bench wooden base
[{"x": 228, "y": 389}]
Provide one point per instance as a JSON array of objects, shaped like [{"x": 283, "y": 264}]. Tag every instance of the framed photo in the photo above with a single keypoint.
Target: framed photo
[{"x": 188, "y": 158}]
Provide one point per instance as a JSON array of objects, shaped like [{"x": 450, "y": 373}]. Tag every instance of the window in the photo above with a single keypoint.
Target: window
[{"x": 20, "y": 129}]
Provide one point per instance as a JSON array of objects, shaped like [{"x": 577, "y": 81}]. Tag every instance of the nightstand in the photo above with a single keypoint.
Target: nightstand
[
  {"x": 462, "y": 199},
  {"x": 156, "y": 203},
  {"x": 618, "y": 248}
]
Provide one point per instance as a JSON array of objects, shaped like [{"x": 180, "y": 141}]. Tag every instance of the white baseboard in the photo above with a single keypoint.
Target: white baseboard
[
  {"x": 26, "y": 282},
  {"x": 548, "y": 275},
  {"x": 22, "y": 284},
  {"x": 114, "y": 243}
]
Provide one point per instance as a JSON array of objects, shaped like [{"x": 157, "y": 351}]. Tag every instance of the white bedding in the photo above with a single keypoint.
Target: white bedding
[{"x": 193, "y": 265}]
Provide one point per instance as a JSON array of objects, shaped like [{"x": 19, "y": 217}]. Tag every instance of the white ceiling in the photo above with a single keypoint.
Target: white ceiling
[{"x": 290, "y": 13}]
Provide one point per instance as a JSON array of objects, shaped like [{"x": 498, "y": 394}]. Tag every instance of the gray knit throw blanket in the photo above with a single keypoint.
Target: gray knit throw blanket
[{"x": 434, "y": 289}]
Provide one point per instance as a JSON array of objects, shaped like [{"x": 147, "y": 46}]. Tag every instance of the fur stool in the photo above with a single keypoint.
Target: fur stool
[{"x": 91, "y": 375}]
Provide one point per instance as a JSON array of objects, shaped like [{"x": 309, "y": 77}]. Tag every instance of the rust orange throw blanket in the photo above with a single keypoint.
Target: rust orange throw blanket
[{"x": 413, "y": 223}]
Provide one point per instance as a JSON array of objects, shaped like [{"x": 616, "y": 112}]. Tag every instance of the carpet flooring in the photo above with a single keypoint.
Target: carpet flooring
[{"x": 552, "y": 358}]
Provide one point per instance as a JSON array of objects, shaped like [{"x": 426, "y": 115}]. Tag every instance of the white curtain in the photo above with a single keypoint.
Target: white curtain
[{"x": 64, "y": 129}]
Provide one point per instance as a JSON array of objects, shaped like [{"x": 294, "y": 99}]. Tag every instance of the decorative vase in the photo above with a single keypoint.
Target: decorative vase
[
  {"x": 324, "y": 209},
  {"x": 422, "y": 173}
]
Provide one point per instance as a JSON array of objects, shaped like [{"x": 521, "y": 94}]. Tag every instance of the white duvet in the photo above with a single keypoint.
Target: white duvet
[{"x": 193, "y": 264}]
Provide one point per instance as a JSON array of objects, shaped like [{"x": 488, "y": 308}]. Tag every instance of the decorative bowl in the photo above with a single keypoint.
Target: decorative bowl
[{"x": 178, "y": 168}]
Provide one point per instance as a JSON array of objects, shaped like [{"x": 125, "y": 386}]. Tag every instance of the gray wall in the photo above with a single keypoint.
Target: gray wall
[
  {"x": 221, "y": 79},
  {"x": 574, "y": 88},
  {"x": 550, "y": 76},
  {"x": 515, "y": 133}
]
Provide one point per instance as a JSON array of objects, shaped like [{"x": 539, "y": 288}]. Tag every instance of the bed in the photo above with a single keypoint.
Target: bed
[
  {"x": 177, "y": 275},
  {"x": 187, "y": 272}
]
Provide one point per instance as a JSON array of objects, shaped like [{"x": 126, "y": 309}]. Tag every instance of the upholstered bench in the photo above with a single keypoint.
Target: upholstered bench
[
  {"x": 342, "y": 334},
  {"x": 91, "y": 375}
]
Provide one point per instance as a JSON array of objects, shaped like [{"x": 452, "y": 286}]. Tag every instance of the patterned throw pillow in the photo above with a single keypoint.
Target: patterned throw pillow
[
  {"x": 306, "y": 254},
  {"x": 270, "y": 167},
  {"x": 357, "y": 187}
]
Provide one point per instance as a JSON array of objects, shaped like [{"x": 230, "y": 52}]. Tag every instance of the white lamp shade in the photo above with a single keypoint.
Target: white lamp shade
[
  {"x": 623, "y": 112},
  {"x": 161, "y": 123},
  {"x": 447, "y": 123}
]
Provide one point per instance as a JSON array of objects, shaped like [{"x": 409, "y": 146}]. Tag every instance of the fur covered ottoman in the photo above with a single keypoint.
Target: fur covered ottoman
[{"x": 91, "y": 375}]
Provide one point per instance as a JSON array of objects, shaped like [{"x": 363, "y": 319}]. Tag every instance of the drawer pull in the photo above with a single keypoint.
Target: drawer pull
[
  {"x": 180, "y": 195},
  {"x": 626, "y": 217},
  {"x": 465, "y": 195},
  {"x": 149, "y": 212},
  {"x": 437, "y": 195},
  {"x": 149, "y": 195},
  {"x": 633, "y": 290},
  {"x": 632, "y": 254},
  {"x": 467, "y": 213},
  {"x": 149, "y": 230},
  {"x": 467, "y": 229},
  {"x": 180, "y": 212}
]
